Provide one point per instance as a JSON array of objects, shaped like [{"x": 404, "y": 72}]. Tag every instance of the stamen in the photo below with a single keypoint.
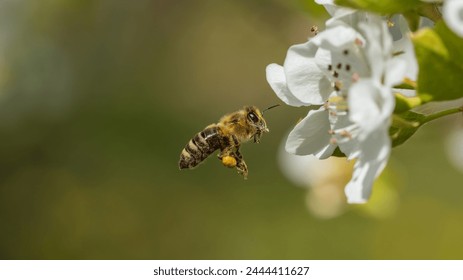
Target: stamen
[
  {"x": 337, "y": 85},
  {"x": 345, "y": 52},
  {"x": 335, "y": 99},
  {"x": 330, "y": 67},
  {"x": 339, "y": 66},
  {"x": 345, "y": 133},
  {"x": 347, "y": 67},
  {"x": 314, "y": 29},
  {"x": 348, "y": 131},
  {"x": 338, "y": 110},
  {"x": 337, "y": 106},
  {"x": 335, "y": 74}
]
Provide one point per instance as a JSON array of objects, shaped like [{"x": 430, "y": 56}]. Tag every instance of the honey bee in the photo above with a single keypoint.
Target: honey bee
[{"x": 227, "y": 136}]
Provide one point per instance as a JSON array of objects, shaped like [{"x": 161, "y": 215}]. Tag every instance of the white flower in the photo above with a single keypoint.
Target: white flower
[
  {"x": 398, "y": 28},
  {"x": 350, "y": 70},
  {"x": 453, "y": 15}
]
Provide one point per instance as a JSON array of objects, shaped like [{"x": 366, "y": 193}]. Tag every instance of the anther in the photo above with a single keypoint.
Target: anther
[
  {"x": 330, "y": 67},
  {"x": 347, "y": 67},
  {"x": 358, "y": 42},
  {"x": 337, "y": 85},
  {"x": 335, "y": 74},
  {"x": 339, "y": 65},
  {"x": 355, "y": 77},
  {"x": 345, "y": 52},
  {"x": 314, "y": 29},
  {"x": 345, "y": 133}
]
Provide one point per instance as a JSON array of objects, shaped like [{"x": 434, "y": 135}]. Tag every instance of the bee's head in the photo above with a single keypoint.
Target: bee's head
[{"x": 255, "y": 119}]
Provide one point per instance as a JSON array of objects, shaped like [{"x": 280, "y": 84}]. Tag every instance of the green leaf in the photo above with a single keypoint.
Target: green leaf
[
  {"x": 440, "y": 58},
  {"x": 406, "y": 124},
  {"x": 452, "y": 42},
  {"x": 381, "y": 6},
  {"x": 403, "y": 103}
]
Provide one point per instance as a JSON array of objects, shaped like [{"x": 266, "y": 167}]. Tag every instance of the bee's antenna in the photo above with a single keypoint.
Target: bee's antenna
[{"x": 271, "y": 107}]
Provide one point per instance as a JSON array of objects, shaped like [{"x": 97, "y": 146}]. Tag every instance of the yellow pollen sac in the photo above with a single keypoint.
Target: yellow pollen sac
[
  {"x": 338, "y": 85},
  {"x": 390, "y": 23},
  {"x": 229, "y": 161},
  {"x": 314, "y": 29},
  {"x": 336, "y": 99},
  {"x": 339, "y": 102}
]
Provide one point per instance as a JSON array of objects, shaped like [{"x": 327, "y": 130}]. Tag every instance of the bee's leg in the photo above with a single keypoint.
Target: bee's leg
[
  {"x": 241, "y": 166},
  {"x": 231, "y": 157},
  {"x": 257, "y": 136}
]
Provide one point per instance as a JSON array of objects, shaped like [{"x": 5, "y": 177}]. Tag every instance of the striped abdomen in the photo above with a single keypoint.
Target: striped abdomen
[{"x": 200, "y": 147}]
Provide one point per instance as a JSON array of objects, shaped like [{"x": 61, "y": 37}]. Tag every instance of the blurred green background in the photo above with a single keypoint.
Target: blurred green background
[{"x": 98, "y": 98}]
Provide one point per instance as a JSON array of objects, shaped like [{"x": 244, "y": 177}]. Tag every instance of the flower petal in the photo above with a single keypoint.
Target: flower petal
[
  {"x": 277, "y": 80},
  {"x": 370, "y": 105},
  {"x": 403, "y": 45},
  {"x": 304, "y": 79},
  {"x": 310, "y": 135},
  {"x": 396, "y": 70},
  {"x": 337, "y": 37},
  {"x": 370, "y": 164},
  {"x": 342, "y": 15},
  {"x": 453, "y": 15},
  {"x": 326, "y": 152},
  {"x": 379, "y": 44},
  {"x": 325, "y": 2},
  {"x": 339, "y": 13},
  {"x": 329, "y": 6},
  {"x": 364, "y": 102},
  {"x": 350, "y": 148}
]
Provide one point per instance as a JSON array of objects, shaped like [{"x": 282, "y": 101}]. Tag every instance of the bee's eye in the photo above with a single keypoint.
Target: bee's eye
[{"x": 253, "y": 117}]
